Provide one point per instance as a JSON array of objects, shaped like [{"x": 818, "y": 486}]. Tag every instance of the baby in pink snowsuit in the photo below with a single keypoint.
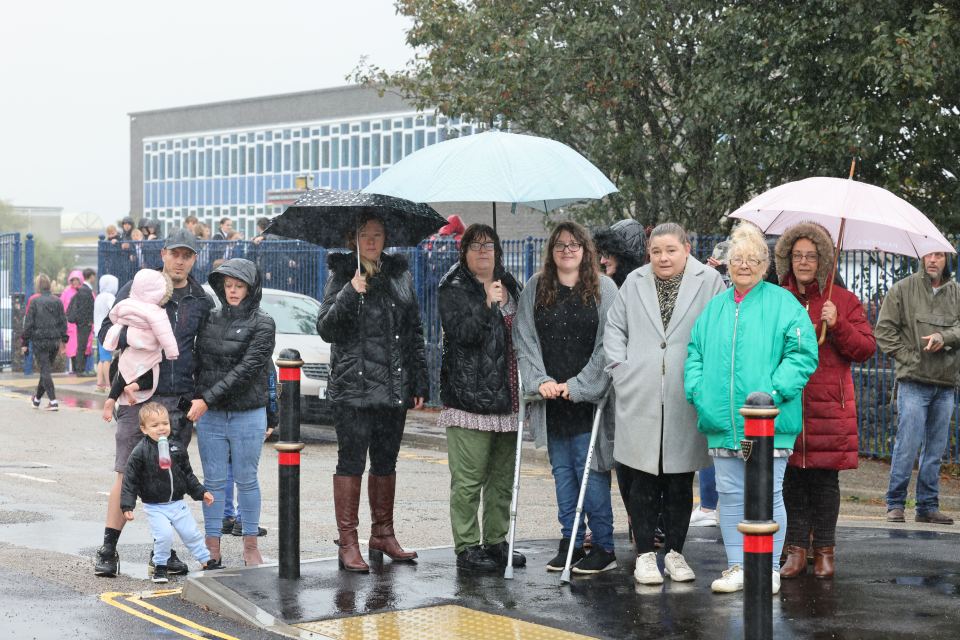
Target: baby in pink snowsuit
[{"x": 148, "y": 334}]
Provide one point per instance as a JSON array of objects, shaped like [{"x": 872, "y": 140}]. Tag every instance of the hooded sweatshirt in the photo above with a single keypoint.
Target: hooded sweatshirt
[
  {"x": 108, "y": 294},
  {"x": 149, "y": 331}
]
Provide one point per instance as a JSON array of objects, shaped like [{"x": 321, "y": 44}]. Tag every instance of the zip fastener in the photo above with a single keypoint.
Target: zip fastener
[
  {"x": 843, "y": 400},
  {"x": 170, "y": 472},
  {"x": 803, "y": 432},
  {"x": 733, "y": 359}
]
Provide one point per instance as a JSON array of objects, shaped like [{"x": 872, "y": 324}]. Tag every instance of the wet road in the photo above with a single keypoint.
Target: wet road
[{"x": 55, "y": 470}]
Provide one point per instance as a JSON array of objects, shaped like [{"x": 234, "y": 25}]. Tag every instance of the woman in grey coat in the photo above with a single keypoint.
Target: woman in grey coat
[
  {"x": 657, "y": 443},
  {"x": 558, "y": 334}
]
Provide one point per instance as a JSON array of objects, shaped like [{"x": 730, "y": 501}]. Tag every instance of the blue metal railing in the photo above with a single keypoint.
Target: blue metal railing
[
  {"x": 301, "y": 267},
  {"x": 11, "y": 275}
]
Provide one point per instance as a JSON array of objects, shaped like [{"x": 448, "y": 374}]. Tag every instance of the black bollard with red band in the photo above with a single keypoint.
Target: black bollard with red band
[
  {"x": 288, "y": 449},
  {"x": 758, "y": 525}
]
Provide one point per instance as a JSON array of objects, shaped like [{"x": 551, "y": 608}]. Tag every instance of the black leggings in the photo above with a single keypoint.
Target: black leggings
[
  {"x": 45, "y": 356},
  {"x": 669, "y": 495},
  {"x": 812, "y": 499},
  {"x": 80, "y": 360},
  {"x": 360, "y": 430}
]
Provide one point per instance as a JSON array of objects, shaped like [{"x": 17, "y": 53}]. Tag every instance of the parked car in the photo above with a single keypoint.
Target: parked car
[{"x": 296, "y": 318}]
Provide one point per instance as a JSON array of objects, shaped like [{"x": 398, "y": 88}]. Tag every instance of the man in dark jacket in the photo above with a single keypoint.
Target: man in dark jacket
[
  {"x": 919, "y": 326},
  {"x": 187, "y": 309},
  {"x": 80, "y": 313},
  {"x": 45, "y": 326}
]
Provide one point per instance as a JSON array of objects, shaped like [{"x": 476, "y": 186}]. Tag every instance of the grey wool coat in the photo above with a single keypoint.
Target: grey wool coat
[
  {"x": 646, "y": 363},
  {"x": 590, "y": 385}
]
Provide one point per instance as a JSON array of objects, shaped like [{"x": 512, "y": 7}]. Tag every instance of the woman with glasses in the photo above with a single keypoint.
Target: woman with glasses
[
  {"x": 828, "y": 441},
  {"x": 753, "y": 337},
  {"x": 478, "y": 388},
  {"x": 559, "y": 338}
]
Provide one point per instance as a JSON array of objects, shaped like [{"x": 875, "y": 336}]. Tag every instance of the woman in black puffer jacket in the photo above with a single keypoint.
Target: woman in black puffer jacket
[
  {"x": 232, "y": 356},
  {"x": 378, "y": 371},
  {"x": 45, "y": 326},
  {"x": 478, "y": 387}
]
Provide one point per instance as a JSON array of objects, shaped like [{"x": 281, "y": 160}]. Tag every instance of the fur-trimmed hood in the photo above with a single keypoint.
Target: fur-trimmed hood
[
  {"x": 816, "y": 234},
  {"x": 393, "y": 274}
]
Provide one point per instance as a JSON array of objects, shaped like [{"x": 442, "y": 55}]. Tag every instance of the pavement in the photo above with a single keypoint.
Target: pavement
[{"x": 893, "y": 581}]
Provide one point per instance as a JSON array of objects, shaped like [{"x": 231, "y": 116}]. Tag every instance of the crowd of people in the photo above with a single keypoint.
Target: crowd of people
[{"x": 612, "y": 322}]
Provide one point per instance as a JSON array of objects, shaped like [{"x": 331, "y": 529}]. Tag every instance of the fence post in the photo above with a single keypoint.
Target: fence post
[
  {"x": 28, "y": 262},
  {"x": 758, "y": 525},
  {"x": 101, "y": 258},
  {"x": 288, "y": 449},
  {"x": 528, "y": 259},
  {"x": 16, "y": 284}
]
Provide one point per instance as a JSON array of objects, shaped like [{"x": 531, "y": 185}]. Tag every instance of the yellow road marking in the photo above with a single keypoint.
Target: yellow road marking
[{"x": 112, "y": 598}]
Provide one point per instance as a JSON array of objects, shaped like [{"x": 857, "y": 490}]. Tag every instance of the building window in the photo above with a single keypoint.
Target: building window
[
  {"x": 386, "y": 149},
  {"x": 418, "y": 140},
  {"x": 296, "y": 156},
  {"x": 242, "y": 157},
  {"x": 354, "y": 151},
  {"x": 386, "y": 125},
  {"x": 286, "y": 156},
  {"x": 345, "y": 153},
  {"x": 326, "y": 155},
  {"x": 250, "y": 158},
  {"x": 397, "y": 146},
  {"x": 375, "y": 149},
  {"x": 276, "y": 157},
  {"x": 335, "y": 153},
  {"x": 260, "y": 157}
]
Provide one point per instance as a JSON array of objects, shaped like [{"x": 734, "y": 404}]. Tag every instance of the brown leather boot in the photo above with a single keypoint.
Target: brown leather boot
[
  {"x": 213, "y": 546},
  {"x": 381, "y": 491},
  {"x": 346, "y": 505},
  {"x": 251, "y": 554},
  {"x": 823, "y": 565},
  {"x": 796, "y": 564}
]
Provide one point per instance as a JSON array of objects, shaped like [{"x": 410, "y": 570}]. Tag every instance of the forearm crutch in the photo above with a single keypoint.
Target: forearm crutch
[
  {"x": 598, "y": 414},
  {"x": 515, "y": 497}
]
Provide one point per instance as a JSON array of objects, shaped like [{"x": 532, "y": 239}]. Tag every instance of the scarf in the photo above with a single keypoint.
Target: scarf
[{"x": 667, "y": 291}]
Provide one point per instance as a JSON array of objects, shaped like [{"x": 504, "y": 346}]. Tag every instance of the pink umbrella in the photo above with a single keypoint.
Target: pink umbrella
[{"x": 858, "y": 215}]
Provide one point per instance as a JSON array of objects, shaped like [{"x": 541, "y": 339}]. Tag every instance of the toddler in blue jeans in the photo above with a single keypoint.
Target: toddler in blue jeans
[{"x": 161, "y": 490}]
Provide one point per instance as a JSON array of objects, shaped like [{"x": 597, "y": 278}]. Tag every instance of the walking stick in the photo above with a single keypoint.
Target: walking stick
[
  {"x": 515, "y": 497},
  {"x": 565, "y": 576}
]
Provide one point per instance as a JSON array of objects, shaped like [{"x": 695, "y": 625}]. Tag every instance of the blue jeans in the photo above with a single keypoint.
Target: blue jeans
[
  {"x": 708, "y": 488},
  {"x": 730, "y": 487},
  {"x": 568, "y": 456},
  {"x": 229, "y": 506},
  {"x": 924, "y": 427},
  {"x": 237, "y": 436},
  {"x": 164, "y": 519}
]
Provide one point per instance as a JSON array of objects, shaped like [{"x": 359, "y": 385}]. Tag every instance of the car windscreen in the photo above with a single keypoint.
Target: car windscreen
[{"x": 292, "y": 314}]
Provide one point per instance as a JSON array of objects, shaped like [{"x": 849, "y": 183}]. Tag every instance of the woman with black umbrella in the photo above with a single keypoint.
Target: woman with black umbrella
[{"x": 371, "y": 318}]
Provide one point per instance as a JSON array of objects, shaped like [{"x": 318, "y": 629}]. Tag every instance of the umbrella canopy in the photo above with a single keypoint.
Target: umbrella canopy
[
  {"x": 875, "y": 219},
  {"x": 326, "y": 218},
  {"x": 495, "y": 166}
]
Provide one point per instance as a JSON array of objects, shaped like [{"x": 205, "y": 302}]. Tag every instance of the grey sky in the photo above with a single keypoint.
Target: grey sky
[{"x": 71, "y": 71}]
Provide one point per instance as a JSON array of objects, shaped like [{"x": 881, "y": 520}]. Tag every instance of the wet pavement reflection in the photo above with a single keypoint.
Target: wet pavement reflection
[{"x": 890, "y": 583}]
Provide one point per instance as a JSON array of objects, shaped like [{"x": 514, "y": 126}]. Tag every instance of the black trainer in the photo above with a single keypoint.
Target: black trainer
[
  {"x": 175, "y": 566},
  {"x": 237, "y": 529},
  {"x": 475, "y": 559},
  {"x": 108, "y": 562},
  {"x": 212, "y": 565},
  {"x": 160, "y": 573},
  {"x": 597, "y": 561},
  {"x": 227, "y": 527},
  {"x": 498, "y": 553},
  {"x": 560, "y": 560}
]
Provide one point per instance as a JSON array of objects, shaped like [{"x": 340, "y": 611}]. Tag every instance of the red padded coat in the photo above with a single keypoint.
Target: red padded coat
[{"x": 829, "y": 436}]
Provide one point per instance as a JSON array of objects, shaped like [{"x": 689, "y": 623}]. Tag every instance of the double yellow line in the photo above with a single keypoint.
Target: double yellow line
[{"x": 129, "y": 602}]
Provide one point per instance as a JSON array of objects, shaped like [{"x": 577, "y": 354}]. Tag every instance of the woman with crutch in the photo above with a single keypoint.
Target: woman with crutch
[
  {"x": 478, "y": 388},
  {"x": 657, "y": 444},
  {"x": 559, "y": 338}
]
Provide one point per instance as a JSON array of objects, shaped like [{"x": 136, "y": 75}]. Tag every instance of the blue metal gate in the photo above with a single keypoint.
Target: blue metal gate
[{"x": 11, "y": 281}]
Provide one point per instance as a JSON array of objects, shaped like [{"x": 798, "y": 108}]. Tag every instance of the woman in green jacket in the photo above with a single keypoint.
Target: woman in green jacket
[{"x": 760, "y": 337}]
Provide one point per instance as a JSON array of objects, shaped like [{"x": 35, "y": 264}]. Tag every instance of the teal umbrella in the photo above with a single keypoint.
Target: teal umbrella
[{"x": 495, "y": 166}]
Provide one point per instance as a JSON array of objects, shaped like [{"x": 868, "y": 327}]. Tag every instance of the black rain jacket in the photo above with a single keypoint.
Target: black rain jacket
[
  {"x": 80, "y": 309},
  {"x": 144, "y": 478},
  {"x": 235, "y": 346},
  {"x": 46, "y": 323},
  {"x": 377, "y": 353},
  {"x": 474, "y": 375}
]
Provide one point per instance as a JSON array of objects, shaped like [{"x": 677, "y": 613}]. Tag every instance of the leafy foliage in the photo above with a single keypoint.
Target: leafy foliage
[{"x": 691, "y": 107}]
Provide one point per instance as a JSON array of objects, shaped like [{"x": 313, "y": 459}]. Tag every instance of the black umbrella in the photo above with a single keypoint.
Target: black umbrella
[{"x": 326, "y": 218}]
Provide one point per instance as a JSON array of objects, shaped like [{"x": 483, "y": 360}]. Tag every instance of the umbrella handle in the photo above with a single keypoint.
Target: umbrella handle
[{"x": 833, "y": 272}]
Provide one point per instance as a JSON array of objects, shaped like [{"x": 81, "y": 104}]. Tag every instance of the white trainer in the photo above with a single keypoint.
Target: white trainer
[
  {"x": 729, "y": 581},
  {"x": 701, "y": 518},
  {"x": 675, "y": 566},
  {"x": 647, "y": 571},
  {"x": 776, "y": 582}
]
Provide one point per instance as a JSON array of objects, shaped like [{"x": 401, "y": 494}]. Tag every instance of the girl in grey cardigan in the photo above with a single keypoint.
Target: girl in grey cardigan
[{"x": 558, "y": 334}]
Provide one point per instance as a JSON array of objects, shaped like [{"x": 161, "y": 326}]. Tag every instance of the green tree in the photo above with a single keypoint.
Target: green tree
[{"x": 690, "y": 106}]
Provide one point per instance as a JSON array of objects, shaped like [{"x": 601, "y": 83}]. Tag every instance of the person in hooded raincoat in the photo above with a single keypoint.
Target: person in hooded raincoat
[
  {"x": 108, "y": 286},
  {"x": 75, "y": 282}
]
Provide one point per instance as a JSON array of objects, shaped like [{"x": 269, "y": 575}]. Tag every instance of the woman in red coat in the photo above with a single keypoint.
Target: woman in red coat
[{"x": 828, "y": 442}]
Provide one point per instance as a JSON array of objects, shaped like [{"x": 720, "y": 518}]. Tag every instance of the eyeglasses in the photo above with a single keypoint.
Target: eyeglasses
[
  {"x": 739, "y": 262},
  {"x": 805, "y": 257},
  {"x": 482, "y": 246},
  {"x": 572, "y": 247}
]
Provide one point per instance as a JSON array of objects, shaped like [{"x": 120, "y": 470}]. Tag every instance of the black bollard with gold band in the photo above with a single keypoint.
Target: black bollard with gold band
[
  {"x": 288, "y": 449},
  {"x": 758, "y": 525}
]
